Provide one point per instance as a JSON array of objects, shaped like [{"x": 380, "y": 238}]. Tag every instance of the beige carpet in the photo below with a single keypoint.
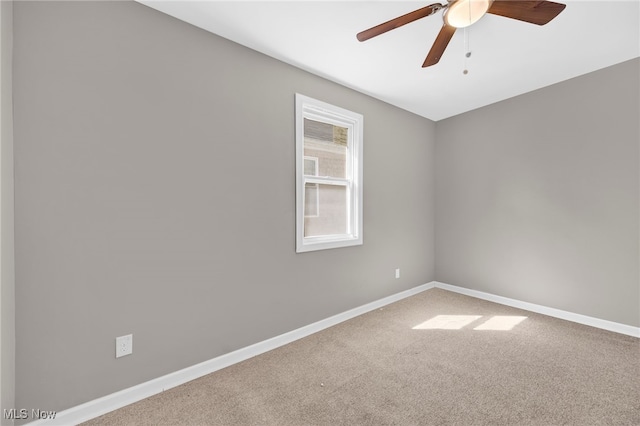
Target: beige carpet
[{"x": 463, "y": 366}]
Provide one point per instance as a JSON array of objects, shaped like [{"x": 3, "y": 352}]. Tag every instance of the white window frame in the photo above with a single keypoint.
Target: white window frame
[{"x": 314, "y": 109}]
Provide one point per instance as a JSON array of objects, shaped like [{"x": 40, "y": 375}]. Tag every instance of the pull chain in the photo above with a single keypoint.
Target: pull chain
[{"x": 467, "y": 51}]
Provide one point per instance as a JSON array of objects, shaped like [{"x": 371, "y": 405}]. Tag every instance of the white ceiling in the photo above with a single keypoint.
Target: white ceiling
[{"x": 508, "y": 58}]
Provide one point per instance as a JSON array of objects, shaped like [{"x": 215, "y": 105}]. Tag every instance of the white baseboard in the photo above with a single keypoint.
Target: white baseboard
[
  {"x": 100, "y": 406},
  {"x": 552, "y": 312}
]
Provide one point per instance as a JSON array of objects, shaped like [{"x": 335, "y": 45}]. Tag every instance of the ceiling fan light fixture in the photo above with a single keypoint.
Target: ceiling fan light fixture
[{"x": 462, "y": 13}]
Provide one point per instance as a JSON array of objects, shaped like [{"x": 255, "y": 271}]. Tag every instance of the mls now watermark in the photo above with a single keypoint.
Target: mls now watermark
[{"x": 24, "y": 414}]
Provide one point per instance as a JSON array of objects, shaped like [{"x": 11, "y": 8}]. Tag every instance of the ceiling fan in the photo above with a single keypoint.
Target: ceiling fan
[{"x": 462, "y": 13}]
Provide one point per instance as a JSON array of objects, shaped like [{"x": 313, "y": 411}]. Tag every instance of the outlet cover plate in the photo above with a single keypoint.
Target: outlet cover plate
[{"x": 124, "y": 345}]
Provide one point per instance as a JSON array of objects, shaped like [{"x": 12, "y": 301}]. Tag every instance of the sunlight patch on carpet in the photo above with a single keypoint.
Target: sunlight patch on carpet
[
  {"x": 447, "y": 322},
  {"x": 458, "y": 322},
  {"x": 500, "y": 323}
]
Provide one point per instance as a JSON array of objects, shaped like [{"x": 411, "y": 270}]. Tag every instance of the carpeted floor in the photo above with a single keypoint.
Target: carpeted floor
[{"x": 437, "y": 358}]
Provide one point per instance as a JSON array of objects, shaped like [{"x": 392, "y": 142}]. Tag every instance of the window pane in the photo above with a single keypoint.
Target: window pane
[
  {"x": 327, "y": 143},
  {"x": 332, "y": 211}
]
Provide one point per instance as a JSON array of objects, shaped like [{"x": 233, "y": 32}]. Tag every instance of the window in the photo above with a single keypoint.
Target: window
[{"x": 328, "y": 176}]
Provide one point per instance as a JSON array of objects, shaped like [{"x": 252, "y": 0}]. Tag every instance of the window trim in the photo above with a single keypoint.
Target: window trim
[{"x": 314, "y": 109}]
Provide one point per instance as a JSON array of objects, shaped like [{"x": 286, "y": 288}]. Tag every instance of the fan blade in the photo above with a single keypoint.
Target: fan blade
[
  {"x": 535, "y": 12},
  {"x": 444, "y": 36},
  {"x": 399, "y": 21}
]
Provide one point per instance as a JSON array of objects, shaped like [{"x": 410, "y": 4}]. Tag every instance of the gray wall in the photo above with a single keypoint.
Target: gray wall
[
  {"x": 7, "y": 282},
  {"x": 537, "y": 196},
  {"x": 155, "y": 196}
]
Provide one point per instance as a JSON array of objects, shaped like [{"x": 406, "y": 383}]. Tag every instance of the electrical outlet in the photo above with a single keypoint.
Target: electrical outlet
[
  {"x": 124, "y": 345},
  {"x": 397, "y": 272}
]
